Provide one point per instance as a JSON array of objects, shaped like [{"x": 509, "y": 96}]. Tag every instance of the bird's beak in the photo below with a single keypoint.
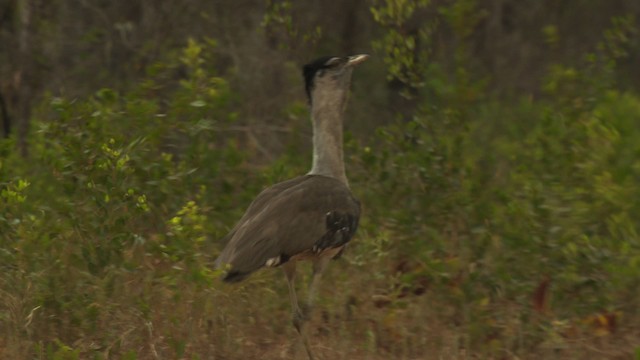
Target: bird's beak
[{"x": 357, "y": 59}]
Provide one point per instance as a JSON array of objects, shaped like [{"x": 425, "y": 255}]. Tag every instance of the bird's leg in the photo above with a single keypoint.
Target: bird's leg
[
  {"x": 299, "y": 317},
  {"x": 290, "y": 272},
  {"x": 319, "y": 264}
]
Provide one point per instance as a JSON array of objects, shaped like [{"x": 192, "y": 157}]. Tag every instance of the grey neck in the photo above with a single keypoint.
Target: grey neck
[{"x": 327, "y": 118}]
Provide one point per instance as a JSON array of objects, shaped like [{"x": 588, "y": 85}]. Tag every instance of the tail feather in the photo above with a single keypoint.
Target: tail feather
[
  {"x": 235, "y": 276},
  {"x": 230, "y": 275}
]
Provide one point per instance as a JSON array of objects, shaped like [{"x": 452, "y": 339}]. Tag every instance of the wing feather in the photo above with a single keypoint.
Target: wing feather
[{"x": 290, "y": 218}]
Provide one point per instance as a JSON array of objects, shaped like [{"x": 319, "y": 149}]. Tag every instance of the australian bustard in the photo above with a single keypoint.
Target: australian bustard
[{"x": 311, "y": 217}]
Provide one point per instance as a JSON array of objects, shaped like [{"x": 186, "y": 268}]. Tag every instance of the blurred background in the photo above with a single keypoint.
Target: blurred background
[{"x": 494, "y": 145}]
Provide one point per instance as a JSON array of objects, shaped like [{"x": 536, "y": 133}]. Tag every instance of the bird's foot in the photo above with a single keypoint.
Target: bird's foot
[
  {"x": 299, "y": 319},
  {"x": 301, "y": 316}
]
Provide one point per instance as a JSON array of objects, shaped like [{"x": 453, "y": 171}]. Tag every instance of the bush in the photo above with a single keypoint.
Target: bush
[{"x": 505, "y": 228}]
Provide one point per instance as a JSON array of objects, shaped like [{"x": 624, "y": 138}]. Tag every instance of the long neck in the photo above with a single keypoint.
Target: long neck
[{"x": 327, "y": 118}]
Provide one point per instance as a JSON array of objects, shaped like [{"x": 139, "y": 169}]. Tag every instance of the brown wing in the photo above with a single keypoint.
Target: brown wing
[{"x": 308, "y": 213}]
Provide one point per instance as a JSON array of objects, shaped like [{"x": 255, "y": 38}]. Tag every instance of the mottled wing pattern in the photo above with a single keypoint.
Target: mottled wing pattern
[
  {"x": 341, "y": 226},
  {"x": 308, "y": 214}
]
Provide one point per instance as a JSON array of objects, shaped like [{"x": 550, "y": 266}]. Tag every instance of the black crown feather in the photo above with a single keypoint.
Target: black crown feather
[{"x": 309, "y": 71}]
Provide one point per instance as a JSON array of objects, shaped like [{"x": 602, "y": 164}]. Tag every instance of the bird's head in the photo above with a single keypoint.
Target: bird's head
[{"x": 330, "y": 74}]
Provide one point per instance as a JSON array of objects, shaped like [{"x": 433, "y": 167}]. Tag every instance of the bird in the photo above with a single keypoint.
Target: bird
[{"x": 310, "y": 217}]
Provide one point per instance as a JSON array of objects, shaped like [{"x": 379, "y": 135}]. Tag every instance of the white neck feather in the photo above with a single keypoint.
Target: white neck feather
[{"x": 327, "y": 114}]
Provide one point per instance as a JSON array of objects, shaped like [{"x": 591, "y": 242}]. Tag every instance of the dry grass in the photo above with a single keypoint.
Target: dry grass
[{"x": 141, "y": 315}]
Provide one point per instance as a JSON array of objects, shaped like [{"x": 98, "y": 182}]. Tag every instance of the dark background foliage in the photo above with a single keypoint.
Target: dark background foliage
[{"x": 494, "y": 146}]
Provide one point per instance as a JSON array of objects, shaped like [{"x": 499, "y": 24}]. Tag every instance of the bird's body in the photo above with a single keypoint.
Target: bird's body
[
  {"x": 297, "y": 219},
  {"x": 311, "y": 217}
]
